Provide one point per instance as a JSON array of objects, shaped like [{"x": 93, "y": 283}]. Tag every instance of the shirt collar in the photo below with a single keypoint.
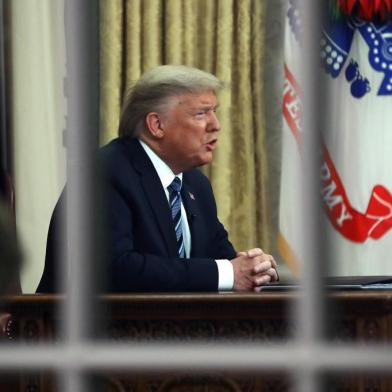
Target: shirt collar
[{"x": 165, "y": 174}]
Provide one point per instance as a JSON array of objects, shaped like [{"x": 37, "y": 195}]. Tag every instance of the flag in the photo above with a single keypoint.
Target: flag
[{"x": 356, "y": 170}]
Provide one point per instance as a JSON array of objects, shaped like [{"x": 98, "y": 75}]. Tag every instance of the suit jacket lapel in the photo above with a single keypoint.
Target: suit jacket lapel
[
  {"x": 189, "y": 198},
  {"x": 155, "y": 195}
]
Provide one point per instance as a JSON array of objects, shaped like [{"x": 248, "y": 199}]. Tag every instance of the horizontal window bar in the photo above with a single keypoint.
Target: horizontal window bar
[{"x": 197, "y": 356}]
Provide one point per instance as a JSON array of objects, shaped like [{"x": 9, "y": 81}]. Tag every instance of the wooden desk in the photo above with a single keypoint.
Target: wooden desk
[{"x": 359, "y": 316}]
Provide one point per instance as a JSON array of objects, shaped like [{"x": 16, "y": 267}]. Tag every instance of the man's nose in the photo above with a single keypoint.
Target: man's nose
[{"x": 214, "y": 122}]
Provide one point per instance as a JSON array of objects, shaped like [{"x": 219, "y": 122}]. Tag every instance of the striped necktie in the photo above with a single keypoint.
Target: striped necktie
[{"x": 175, "y": 205}]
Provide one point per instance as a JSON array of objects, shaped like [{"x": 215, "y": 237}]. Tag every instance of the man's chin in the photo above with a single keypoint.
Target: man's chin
[
  {"x": 202, "y": 160},
  {"x": 207, "y": 158}
]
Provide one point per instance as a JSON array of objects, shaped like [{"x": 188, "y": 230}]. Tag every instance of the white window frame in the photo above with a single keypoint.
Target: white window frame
[{"x": 306, "y": 357}]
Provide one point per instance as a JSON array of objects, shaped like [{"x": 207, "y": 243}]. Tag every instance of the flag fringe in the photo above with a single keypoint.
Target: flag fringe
[{"x": 288, "y": 255}]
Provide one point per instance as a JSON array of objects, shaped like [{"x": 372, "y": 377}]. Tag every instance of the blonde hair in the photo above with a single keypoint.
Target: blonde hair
[{"x": 151, "y": 92}]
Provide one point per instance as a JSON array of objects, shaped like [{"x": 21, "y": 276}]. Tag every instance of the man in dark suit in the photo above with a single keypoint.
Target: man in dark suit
[{"x": 162, "y": 227}]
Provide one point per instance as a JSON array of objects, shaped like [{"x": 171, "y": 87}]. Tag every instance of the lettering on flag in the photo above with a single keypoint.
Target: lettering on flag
[
  {"x": 352, "y": 224},
  {"x": 292, "y": 104},
  {"x": 349, "y": 222}
]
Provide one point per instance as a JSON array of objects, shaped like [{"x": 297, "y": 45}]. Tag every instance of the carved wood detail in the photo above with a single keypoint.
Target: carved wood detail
[
  {"x": 192, "y": 383},
  {"x": 181, "y": 330},
  {"x": 358, "y": 382}
]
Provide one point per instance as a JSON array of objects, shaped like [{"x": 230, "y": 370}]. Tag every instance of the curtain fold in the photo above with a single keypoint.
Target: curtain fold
[
  {"x": 133, "y": 41},
  {"x": 111, "y": 75},
  {"x": 37, "y": 110},
  {"x": 151, "y": 38},
  {"x": 258, "y": 92},
  {"x": 225, "y": 37}
]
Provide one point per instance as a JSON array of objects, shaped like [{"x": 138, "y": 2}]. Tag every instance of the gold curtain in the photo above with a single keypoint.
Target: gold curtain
[{"x": 225, "y": 37}]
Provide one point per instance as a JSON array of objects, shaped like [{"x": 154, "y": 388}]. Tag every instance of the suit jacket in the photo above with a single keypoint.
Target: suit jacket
[{"x": 141, "y": 243}]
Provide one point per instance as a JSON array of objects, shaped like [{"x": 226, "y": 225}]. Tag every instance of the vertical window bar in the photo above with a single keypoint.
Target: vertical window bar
[
  {"x": 82, "y": 84},
  {"x": 310, "y": 204},
  {"x": 3, "y": 112},
  {"x": 310, "y": 305}
]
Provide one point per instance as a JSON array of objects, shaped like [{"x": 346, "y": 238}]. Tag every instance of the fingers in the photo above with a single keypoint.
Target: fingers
[
  {"x": 262, "y": 267},
  {"x": 263, "y": 279},
  {"x": 273, "y": 262},
  {"x": 257, "y": 252},
  {"x": 252, "y": 269},
  {"x": 251, "y": 252},
  {"x": 259, "y": 256},
  {"x": 268, "y": 257},
  {"x": 273, "y": 274},
  {"x": 264, "y": 263},
  {"x": 254, "y": 252},
  {"x": 264, "y": 273}
]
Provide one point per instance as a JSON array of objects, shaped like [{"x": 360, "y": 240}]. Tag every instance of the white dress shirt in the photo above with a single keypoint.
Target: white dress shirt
[{"x": 166, "y": 175}]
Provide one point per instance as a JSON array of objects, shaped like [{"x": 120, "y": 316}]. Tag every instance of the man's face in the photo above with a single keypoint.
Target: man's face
[{"x": 190, "y": 131}]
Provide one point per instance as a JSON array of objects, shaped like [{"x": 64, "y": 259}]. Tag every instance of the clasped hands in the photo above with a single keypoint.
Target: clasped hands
[{"x": 252, "y": 269}]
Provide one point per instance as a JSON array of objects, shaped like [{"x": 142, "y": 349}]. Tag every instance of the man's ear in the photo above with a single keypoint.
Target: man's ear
[{"x": 154, "y": 125}]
